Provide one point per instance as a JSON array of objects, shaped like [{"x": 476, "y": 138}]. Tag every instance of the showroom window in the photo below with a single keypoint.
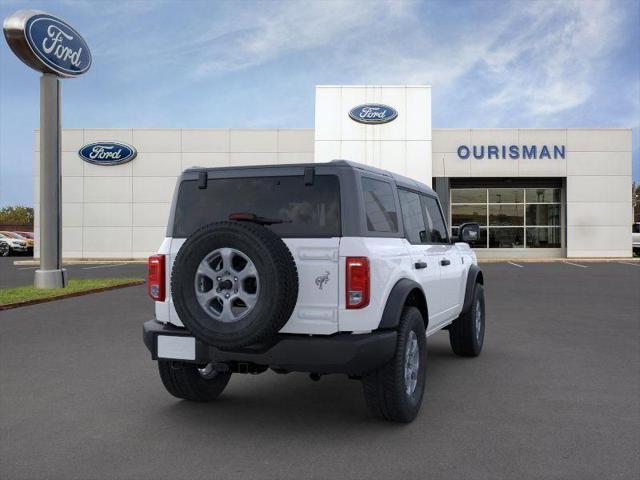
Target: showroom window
[{"x": 509, "y": 217}]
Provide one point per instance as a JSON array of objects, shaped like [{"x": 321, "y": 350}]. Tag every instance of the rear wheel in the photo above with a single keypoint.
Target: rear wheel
[
  {"x": 192, "y": 382},
  {"x": 395, "y": 391},
  {"x": 466, "y": 333},
  {"x": 4, "y": 249}
]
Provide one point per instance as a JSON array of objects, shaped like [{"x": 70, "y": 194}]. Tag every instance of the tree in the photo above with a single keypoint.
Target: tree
[{"x": 16, "y": 215}]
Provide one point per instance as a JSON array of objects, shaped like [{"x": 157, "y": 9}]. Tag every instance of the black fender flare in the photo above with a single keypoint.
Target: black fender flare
[
  {"x": 474, "y": 276},
  {"x": 403, "y": 291}
]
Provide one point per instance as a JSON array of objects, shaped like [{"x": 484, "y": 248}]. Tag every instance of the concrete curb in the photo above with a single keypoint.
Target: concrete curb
[
  {"x": 129, "y": 261},
  {"x": 26, "y": 303},
  {"x": 560, "y": 260},
  {"x": 88, "y": 261}
]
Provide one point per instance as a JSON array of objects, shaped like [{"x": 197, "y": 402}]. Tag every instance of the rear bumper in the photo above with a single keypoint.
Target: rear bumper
[{"x": 339, "y": 353}]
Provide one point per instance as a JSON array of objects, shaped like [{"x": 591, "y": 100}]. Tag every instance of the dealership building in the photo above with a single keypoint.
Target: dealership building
[{"x": 535, "y": 192}]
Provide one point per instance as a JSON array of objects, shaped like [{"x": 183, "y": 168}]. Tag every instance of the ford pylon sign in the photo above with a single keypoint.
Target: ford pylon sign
[
  {"x": 47, "y": 43},
  {"x": 373, "y": 113},
  {"x": 107, "y": 153},
  {"x": 51, "y": 46}
]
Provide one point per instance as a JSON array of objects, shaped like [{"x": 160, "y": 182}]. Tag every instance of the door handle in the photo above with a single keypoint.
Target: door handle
[
  {"x": 444, "y": 262},
  {"x": 419, "y": 265}
]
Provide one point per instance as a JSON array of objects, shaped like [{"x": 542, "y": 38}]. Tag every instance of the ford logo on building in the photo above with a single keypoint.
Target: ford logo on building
[
  {"x": 373, "y": 113},
  {"x": 47, "y": 43},
  {"x": 107, "y": 153}
]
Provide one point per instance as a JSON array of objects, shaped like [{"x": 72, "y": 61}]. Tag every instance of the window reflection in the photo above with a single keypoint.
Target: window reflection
[
  {"x": 506, "y": 215},
  {"x": 506, "y": 237},
  {"x": 510, "y": 217},
  {"x": 468, "y": 213},
  {"x": 546, "y": 237}
]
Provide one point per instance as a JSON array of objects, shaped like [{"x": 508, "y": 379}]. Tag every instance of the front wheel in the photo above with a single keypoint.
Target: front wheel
[
  {"x": 466, "y": 333},
  {"x": 395, "y": 390},
  {"x": 192, "y": 382}
]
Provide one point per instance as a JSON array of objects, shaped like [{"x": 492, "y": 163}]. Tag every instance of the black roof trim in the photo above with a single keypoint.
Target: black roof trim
[{"x": 400, "y": 180}]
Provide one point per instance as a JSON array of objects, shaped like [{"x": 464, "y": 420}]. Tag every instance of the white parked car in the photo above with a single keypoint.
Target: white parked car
[
  {"x": 635, "y": 238},
  {"x": 319, "y": 268},
  {"x": 14, "y": 242}
]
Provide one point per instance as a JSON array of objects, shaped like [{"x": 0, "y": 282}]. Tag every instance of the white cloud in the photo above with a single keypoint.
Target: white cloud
[
  {"x": 537, "y": 57},
  {"x": 549, "y": 66},
  {"x": 253, "y": 37}
]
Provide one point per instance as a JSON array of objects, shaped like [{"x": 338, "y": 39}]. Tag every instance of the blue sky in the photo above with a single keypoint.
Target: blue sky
[{"x": 255, "y": 64}]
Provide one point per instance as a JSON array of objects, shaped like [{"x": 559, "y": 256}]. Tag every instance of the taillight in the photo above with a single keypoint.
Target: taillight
[
  {"x": 357, "y": 282},
  {"x": 155, "y": 278}
]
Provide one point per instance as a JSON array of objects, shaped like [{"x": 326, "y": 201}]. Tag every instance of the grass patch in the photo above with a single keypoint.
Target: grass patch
[{"x": 29, "y": 293}]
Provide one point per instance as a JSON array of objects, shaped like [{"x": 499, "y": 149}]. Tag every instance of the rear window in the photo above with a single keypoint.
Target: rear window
[
  {"x": 307, "y": 210},
  {"x": 380, "y": 206}
]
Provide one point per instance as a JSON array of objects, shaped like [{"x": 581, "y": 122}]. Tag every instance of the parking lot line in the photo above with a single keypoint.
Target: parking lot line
[
  {"x": 632, "y": 264},
  {"x": 104, "y": 266},
  {"x": 515, "y": 265},
  {"x": 576, "y": 264}
]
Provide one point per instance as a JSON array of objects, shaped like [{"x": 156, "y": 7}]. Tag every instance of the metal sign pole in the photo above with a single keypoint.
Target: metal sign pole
[
  {"x": 51, "y": 274},
  {"x": 49, "y": 45}
]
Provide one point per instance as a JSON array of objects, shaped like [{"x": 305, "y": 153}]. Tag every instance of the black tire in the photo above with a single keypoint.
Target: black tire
[
  {"x": 385, "y": 389},
  {"x": 183, "y": 380},
  {"x": 278, "y": 284},
  {"x": 4, "y": 250},
  {"x": 465, "y": 337}
]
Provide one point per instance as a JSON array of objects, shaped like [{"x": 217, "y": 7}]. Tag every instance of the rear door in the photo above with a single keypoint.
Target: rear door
[
  {"x": 306, "y": 216},
  {"x": 451, "y": 266},
  {"x": 424, "y": 258},
  {"x": 316, "y": 311}
]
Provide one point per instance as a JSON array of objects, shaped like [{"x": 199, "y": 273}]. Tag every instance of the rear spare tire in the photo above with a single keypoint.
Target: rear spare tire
[{"x": 234, "y": 284}]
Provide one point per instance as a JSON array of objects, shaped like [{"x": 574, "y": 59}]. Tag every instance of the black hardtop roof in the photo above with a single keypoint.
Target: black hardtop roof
[{"x": 400, "y": 180}]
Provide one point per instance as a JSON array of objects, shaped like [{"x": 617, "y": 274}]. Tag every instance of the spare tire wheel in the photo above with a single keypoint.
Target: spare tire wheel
[{"x": 234, "y": 284}]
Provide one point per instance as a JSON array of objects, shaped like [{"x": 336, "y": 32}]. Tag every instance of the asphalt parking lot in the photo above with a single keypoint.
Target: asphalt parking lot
[{"x": 555, "y": 394}]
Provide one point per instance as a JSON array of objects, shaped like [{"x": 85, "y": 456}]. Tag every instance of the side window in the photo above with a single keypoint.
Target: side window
[
  {"x": 412, "y": 216},
  {"x": 380, "y": 207},
  {"x": 436, "y": 226}
]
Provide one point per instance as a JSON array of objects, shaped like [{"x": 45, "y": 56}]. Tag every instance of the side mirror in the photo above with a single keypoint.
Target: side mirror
[{"x": 469, "y": 232}]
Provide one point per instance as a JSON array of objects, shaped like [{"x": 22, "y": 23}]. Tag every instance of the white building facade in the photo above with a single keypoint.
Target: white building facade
[{"x": 535, "y": 192}]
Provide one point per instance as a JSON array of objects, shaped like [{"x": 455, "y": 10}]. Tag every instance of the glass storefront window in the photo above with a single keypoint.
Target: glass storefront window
[
  {"x": 510, "y": 217},
  {"x": 506, "y": 195},
  {"x": 543, "y": 214},
  {"x": 506, "y": 237},
  {"x": 506, "y": 215},
  {"x": 543, "y": 195},
  {"x": 469, "y": 213},
  {"x": 469, "y": 195},
  {"x": 544, "y": 237}
]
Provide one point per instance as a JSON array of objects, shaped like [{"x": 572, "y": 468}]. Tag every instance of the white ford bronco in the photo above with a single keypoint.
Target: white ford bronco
[{"x": 321, "y": 268}]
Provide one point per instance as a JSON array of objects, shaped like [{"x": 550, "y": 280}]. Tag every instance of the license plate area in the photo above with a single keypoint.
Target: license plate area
[{"x": 176, "y": 348}]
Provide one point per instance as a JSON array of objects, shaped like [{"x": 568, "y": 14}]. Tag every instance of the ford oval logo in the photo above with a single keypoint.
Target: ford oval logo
[
  {"x": 373, "y": 113},
  {"x": 58, "y": 45},
  {"x": 107, "y": 153}
]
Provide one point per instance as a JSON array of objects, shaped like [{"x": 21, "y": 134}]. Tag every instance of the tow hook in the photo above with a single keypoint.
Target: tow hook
[{"x": 314, "y": 376}]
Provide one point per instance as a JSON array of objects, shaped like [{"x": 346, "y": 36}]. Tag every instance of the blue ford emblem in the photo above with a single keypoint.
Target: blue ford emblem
[
  {"x": 58, "y": 45},
  {"x": 107, "y": 153},
  {"x": 373, "y": 113}
]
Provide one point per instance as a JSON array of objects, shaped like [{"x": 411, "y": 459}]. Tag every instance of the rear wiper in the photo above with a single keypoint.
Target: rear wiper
[{"x": 252, "y": 217}]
